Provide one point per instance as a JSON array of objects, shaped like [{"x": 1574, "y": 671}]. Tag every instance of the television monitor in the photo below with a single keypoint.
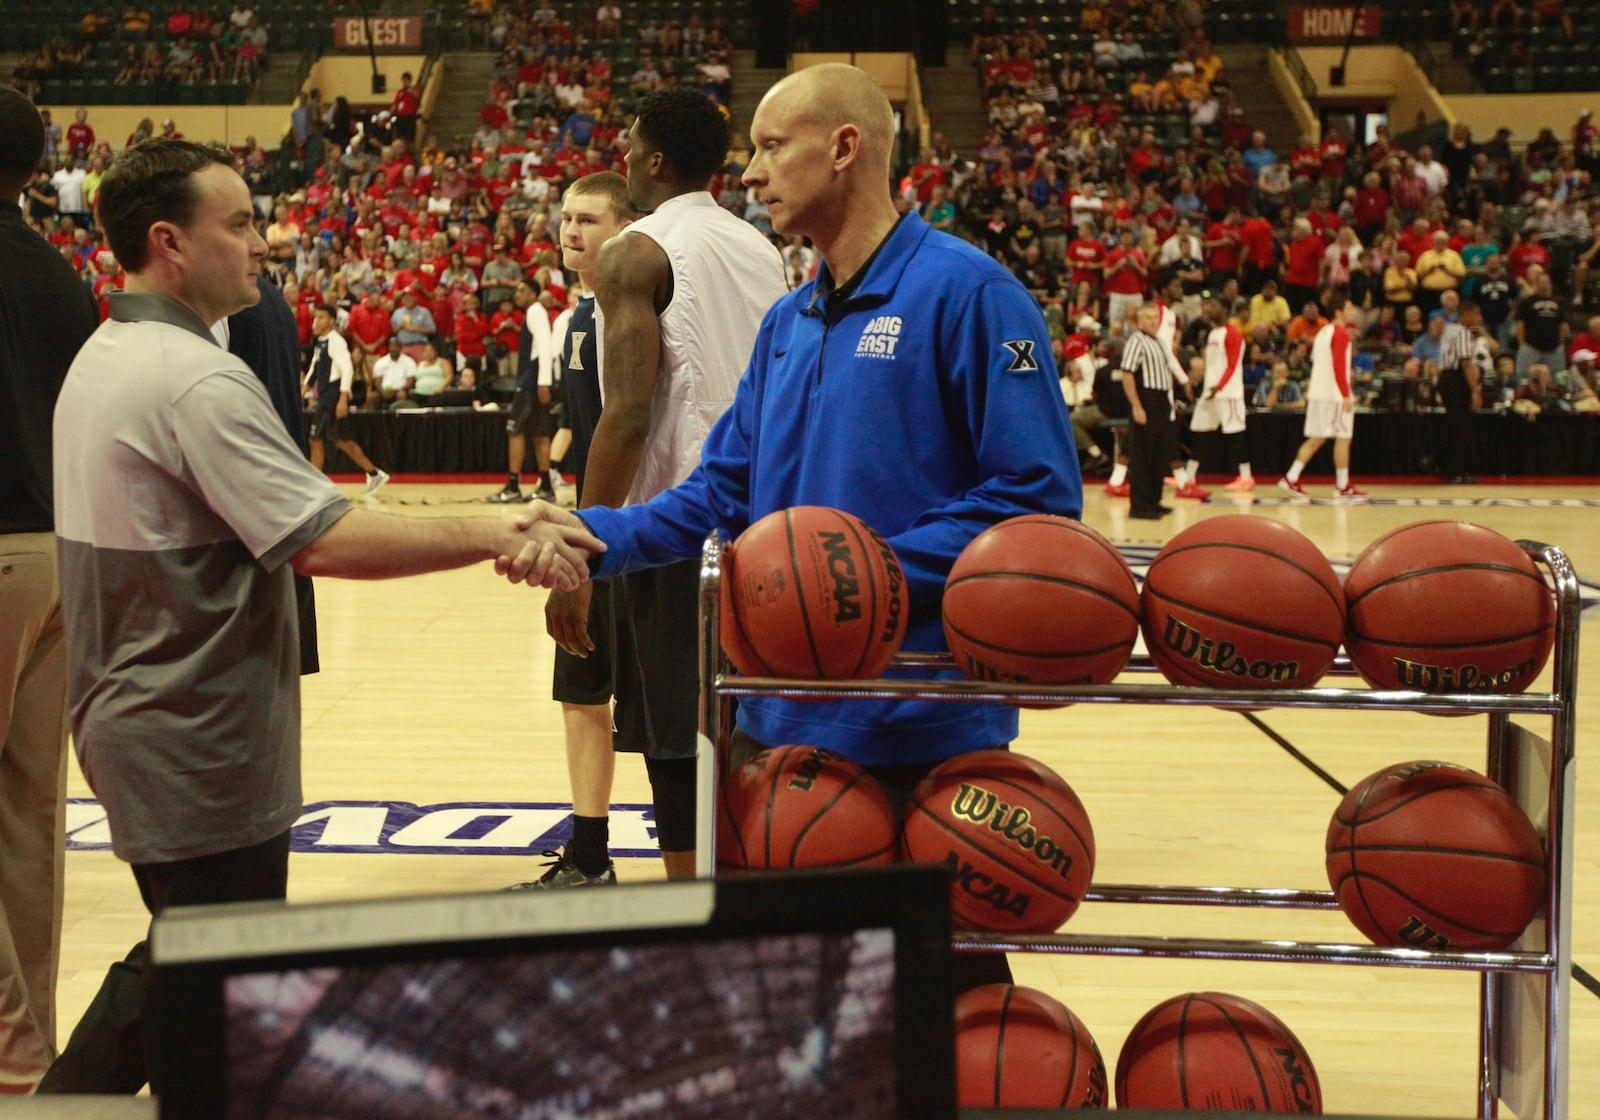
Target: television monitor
[{"x": 802, "y": 994}]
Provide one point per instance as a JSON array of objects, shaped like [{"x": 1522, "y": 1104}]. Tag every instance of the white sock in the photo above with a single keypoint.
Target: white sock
[
  {"x": 1341, "y": 477},
  {"x": 1194, "y": 468},
  {"x": 1244, "y": 471},
  {"x": 1096, "y": 453},
  {"x": 1180, "y": 477},
  {"x": 1119, "y": 474},
  {"x": 1294, "y": 471}
]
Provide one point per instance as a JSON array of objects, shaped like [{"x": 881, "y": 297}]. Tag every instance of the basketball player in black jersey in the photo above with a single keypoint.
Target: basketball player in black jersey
[{"x": 594, "y": 209}]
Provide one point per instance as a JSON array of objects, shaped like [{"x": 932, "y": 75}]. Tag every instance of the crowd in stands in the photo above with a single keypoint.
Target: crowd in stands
[
  {"x": 1097, "y": 191},
  {"x": 1126, "y": 172},
  {"x": 190, "y": 45}
]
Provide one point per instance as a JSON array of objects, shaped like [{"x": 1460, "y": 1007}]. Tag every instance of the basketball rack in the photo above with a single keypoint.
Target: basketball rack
[{"x": 1524, "y": 991}]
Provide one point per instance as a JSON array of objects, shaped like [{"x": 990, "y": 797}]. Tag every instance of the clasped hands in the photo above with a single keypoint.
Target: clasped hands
[{"x": 546, "y": 546}]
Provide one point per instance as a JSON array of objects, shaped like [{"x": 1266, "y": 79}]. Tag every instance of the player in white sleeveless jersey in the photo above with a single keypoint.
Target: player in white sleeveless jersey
[
  {"x": 1221, "y": 404},
  {"x": 1330, "y": 405},
  {"x": 680, "y": 295}
]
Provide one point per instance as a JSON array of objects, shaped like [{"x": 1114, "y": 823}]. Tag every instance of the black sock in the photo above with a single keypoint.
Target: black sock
[
  {"x": 590, "y": 847},
  {"x": 513, "y": 482}
]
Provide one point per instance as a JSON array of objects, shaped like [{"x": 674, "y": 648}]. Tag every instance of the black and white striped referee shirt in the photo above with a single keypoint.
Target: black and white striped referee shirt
[
  {"x": 1146, "y": 358},
  {"x": 1456, "y": 346}
]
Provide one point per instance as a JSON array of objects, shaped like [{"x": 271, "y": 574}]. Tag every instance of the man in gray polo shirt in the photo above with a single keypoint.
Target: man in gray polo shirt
[{"x": 182, "y": 506}]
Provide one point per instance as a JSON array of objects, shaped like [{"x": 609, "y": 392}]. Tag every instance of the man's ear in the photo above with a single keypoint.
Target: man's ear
[
  {"x": 165, "y": 240},
  {"x": 846, "y": 146}
]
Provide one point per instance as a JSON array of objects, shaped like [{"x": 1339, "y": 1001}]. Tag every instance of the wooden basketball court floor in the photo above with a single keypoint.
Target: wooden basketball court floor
[{"x": 434, "y": 691}]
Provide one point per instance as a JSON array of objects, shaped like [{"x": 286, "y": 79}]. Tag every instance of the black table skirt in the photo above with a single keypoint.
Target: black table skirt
[
  {"x": 462, "y": 441},
  {"x": 1397, "y": 443},
  {"x": 449, "y": 441}
]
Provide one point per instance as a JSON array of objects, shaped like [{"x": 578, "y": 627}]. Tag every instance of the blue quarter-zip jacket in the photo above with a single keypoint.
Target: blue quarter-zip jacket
[{"x": 926, "y": 403}]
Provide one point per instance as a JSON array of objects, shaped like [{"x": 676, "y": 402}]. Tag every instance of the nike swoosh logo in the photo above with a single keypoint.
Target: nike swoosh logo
[{"x": 779, "y": 353}]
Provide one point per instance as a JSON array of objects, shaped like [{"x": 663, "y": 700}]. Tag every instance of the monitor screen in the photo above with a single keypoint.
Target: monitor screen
[{"x": 799, "y": 995}]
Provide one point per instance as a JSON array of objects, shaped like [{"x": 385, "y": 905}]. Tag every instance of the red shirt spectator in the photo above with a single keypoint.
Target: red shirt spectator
[
  {"x": 1130, "y": 279},
  {"x": 1086, "y": 256},
  {"x": 1372, "y": 206},
  {"x": 1223, "y": 242},
  {"x": 506, "y": 326},
  {"x": 1334, "y": 152},
  {"x": 80, "y": 136},
  {"x": 1255, "y": 237},
  {"x": 1305, "y": 162},
  {"x": 444, "y": 315},
  {"x": 1303, "y": 268},
  {"x": 1525, "y": 254},
  {"x": 471, "y": 329},
  {"x": 369, "y": 325}
]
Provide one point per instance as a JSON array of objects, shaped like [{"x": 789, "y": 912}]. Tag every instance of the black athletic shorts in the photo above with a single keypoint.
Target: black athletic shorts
[
  {"x": 587, "y": 680},
  {"x": 325, "y": 426},
  {"x": 656, "y": 662},
  {"x": 530, "y": 416}
]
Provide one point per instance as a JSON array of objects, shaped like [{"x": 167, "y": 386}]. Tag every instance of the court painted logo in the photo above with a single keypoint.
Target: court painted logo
[{"x": 401, "y": 828}]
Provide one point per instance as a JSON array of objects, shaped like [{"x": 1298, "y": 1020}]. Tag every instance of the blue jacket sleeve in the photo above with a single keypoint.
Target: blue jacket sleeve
[
  {"x": 1008, "y": 410},
  {"x": 674, "y": 524}
]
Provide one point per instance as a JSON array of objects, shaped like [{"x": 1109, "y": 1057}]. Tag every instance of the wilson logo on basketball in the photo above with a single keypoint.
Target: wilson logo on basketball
[
  {"x": 1461, "y": 678},
  {"x": 806, "y": 771},
  {"x": 891, "y": 614},
  {"x": 1222, "y": 657},
  {"x": 880, "y": 338},
  {"x": 846, "y": 585},
  {"x": 980, "y": 806},
  {"x": 1299, "y": 1083},
  {"x": 1420, "y": 935}
]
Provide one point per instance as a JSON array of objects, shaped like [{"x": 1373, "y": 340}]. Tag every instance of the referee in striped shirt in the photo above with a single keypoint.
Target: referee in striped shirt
[
  {"x": 1153, "y": 433},
  {"x": 1460, "y": 379}
]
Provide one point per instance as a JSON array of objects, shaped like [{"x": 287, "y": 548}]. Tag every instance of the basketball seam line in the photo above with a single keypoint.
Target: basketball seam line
[
  {"x": 1057, "y": 581},
  {"x": 1419, "y": 904},
  {"x": 1293, "y": 563},
  {"x": 1418, "y": 849},
  {"x": 866, "y": 646},
  {"x": 800, "y": 591},
  {"x": 1500, "y": 639},
  {"x": 1482, "y": 785},
  {"x": 1468, "y": 566},
  {"x": 1042, "y": 655}
]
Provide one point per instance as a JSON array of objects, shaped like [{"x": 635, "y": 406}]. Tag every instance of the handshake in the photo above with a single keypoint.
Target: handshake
[{"x": 544, "y": 545}]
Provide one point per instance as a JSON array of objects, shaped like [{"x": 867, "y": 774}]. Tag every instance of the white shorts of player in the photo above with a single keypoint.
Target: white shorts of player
[
  {"x": 1329, "y": 420},
  {"x": 1211, "y": 413}
]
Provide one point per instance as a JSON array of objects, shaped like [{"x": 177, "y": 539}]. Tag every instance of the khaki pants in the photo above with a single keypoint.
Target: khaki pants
[{"x": 33, "y": 766}]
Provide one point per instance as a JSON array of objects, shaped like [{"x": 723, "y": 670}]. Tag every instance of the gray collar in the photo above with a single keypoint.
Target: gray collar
[{"x": 143, "y": 307}]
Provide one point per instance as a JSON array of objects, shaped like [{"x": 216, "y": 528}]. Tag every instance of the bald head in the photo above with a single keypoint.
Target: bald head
[{"x": 833, "y": 95}]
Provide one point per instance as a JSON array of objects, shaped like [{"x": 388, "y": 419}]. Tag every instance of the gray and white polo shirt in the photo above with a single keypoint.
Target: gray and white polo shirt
[{"x": 179, "y": 501}]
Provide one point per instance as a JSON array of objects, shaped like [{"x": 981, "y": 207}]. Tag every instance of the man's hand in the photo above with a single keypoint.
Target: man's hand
[
  {"x": 342, "y": 409},
  {"x": 545, "y": 546},
  {"x": 544, "y": 394},
  {"x": 1349, "y": 404},
  {"x": 566, "y": 619},
  {"x": 1139, "y": 417}
]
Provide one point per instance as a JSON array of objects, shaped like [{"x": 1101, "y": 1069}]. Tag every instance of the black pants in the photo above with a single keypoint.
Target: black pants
[
  {"x": 113, "y": 1048},
  {"x": 1151, "y": 448},
  {"x": 1459, "y": 452}
]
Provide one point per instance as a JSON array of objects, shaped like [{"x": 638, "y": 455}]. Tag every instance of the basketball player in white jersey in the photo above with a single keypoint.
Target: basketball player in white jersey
[
  {"x": 1221, "y": 404},
  {"x": 1330, "y": 405},
  {"x": 680, "y": 294}
]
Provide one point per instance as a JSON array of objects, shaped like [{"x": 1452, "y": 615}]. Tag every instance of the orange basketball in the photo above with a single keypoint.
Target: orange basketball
[
  {"x": 800, "y": 806},
  {"x": 814, "y": 593},
  {"x": 1041, "y": 599},
  {"x": 1242, "y": 602},
  {"x": 1445, "y": 606},
  {"x": 1014, "y": 835},
  {"x": 1434, "y": 856},
  {"x": 1209, "y": 1051},
  {"x": 1021, "y": 1048}
]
